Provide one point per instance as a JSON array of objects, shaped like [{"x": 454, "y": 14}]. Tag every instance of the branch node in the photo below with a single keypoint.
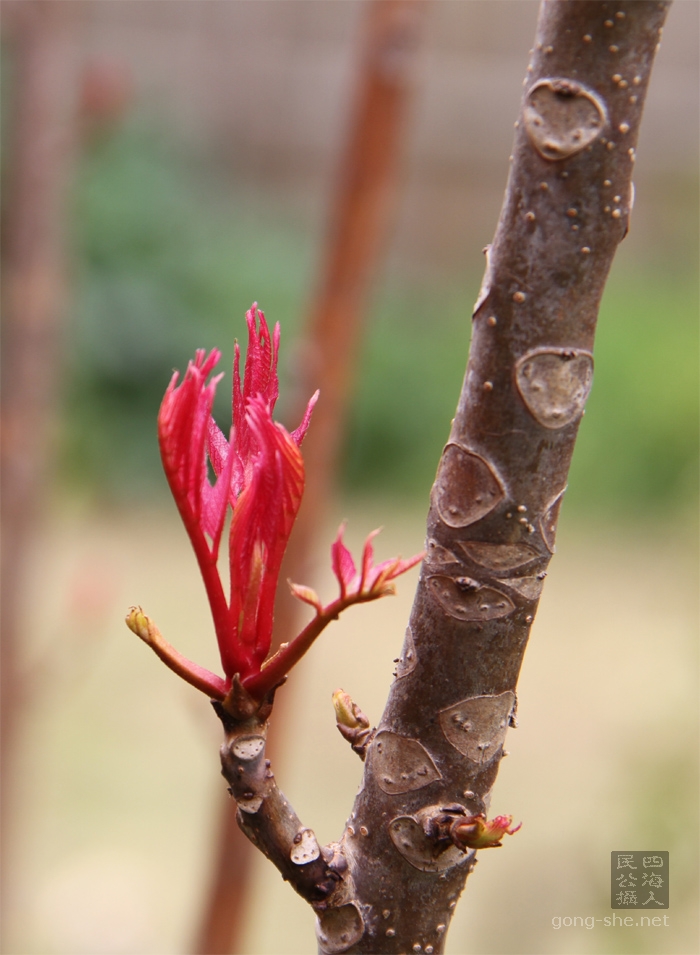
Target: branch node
[{"x": 352, "y": 723}]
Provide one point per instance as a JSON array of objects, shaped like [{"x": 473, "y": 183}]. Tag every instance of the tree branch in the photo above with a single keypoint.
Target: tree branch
[
  {"x": 393, "y": 881},
  {"x": 502, "y": 475},
  {"x": 264, "y": 814}
]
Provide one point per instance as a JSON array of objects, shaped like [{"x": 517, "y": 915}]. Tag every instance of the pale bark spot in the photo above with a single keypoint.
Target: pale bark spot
[
  {"x": 408, "y": 659},
  {"x": 528, "y": 587},
  {"x": 562, "y": 117},
  {"x": 305, "y": 848},
  {"x": 438, "y": 555},
  {"x": 338, "y": 929},
  {"x": 476, "y": 727},
  {"x": 467, "y": 487},
  {"x": 466, "y": 600},
  {"x": 421, "y": 852},
  {"x": 548, "y": 521},
  {"x": 250, "y": 805},
  {"x": 247, "y": 747},
  {"x": 499, "y": 557},
  {"x": 485, "y": 289},
  {"x": 400, "y": 764},
  {"x": 554, "y": 384}
]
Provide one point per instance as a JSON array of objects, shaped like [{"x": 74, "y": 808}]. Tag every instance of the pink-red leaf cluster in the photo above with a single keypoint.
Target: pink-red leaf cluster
[{"x": 256, "y": 474}]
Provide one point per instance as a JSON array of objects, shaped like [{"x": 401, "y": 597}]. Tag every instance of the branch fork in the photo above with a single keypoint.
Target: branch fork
[{"x": 392, "y": 882}]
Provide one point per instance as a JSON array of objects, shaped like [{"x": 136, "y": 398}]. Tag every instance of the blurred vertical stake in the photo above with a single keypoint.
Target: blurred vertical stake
[
  {"x": 361, "y": 213},
  {"x": 41, "y": 39}
]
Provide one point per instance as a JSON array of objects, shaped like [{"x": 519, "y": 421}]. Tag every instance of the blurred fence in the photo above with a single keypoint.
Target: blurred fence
[{"x": 204, "y": 185}]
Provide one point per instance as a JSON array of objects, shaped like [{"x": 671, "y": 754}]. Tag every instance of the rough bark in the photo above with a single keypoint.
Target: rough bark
[
  {"x": 361, "y": 212},
  {"x": 392, "y": 882}
]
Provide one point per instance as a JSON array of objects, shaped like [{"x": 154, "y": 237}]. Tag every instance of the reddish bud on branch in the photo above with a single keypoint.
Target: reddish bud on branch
[{"x": 476, "y": 832}]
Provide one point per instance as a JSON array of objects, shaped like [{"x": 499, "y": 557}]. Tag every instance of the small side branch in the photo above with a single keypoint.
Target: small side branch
[{"x": 266, "y": 817}]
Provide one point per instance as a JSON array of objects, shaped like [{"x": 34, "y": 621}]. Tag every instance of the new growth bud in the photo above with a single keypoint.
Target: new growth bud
[
  {"x": 352, "y": 723},
  {"x": 347, "y": 713},
  {"x": 142, "y": 625},
  {"x": 138, "y": 623},
  {"x": 259, "y": 475},
  {"x": 475, "y": 832}
]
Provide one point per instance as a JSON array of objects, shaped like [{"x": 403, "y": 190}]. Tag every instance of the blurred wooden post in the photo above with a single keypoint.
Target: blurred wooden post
[
  {"x": 44, "y": 65},
  {"x": 361, "y": 214}
]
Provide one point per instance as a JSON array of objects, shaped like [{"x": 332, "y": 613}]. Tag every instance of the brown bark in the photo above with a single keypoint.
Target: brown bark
[
  {"x": 361, "y": 213},
  {"x": 44, "y": 87},
  {"x": 495, "y": 503}
]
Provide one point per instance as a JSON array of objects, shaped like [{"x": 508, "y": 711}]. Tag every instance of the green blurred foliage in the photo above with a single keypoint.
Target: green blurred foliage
[
  {"x": 407, "y": 392},
  {"x": 168, "y": 260},
  {"x": 170, "y": 256},
  {"x": 638, "y": 442},
  {"x": 637, "y": 445}
]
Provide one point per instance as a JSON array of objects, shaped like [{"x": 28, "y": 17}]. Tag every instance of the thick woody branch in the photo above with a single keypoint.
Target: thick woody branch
[
  {"x": 392, "y": 883},
  {"x": 502, "y": 475}
]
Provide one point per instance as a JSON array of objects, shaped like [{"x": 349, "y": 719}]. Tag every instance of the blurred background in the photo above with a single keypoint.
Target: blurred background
[{"x": 193, "y": 167}]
